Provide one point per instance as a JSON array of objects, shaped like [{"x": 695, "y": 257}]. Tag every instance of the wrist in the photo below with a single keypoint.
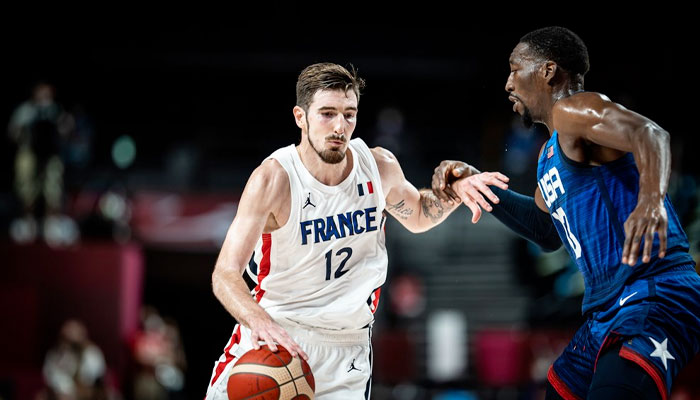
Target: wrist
[
  {"x": 466, "y": 170},
  {"x": 255, "y": 316},
  {"x": 473, "y": 170},
  {"x": 428, "y": 197},
  {"x": 653, "y": 197}
]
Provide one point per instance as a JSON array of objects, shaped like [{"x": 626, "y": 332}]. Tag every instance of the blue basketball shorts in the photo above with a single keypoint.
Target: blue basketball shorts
[{"x": 658, "y": 322}]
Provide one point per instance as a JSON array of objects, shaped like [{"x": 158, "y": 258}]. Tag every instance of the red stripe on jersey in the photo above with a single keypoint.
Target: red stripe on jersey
[
  {"x": 235, "y": 339},
  {"x": 560, "y": 386},
  {"x": 369, "y": 187},
  {"x": 650, "y": 369},
  {"x": 375, "y": 302},
  {"x": 264, "y": 264}
]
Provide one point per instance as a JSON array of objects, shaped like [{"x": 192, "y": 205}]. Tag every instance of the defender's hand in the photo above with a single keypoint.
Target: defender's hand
[
  {"x": 271, "y": 333},
  {"x": 648, "y": 217},
  {"x": 472, "y": 190},
  {"x": 447, "y": 172}
]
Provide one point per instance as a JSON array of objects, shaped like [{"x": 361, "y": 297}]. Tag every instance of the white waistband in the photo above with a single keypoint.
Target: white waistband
[{"x": 319, "y": 335}]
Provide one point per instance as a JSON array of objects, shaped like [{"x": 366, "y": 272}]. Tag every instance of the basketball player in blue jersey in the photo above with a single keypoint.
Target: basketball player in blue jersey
[
  {"x": 602, "y": 178},
  {"x": 312, "y": 217}
]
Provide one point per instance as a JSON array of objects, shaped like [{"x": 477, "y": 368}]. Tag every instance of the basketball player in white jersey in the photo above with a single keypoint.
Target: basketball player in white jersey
[{"x": 312, "y": 216}]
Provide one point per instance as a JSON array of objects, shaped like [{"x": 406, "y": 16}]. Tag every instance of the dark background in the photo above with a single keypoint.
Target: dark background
[{"x": 227, "y": 88}]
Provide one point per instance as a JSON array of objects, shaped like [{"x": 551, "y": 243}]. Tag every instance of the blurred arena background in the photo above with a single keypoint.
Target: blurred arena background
[{"x": 110, "y": 226}]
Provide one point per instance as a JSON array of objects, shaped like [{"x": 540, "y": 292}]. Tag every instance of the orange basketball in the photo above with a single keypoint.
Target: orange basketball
[{"x": 264, "y": 375}]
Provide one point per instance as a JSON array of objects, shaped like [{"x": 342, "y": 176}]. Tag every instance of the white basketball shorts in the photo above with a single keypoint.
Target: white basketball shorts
[{"x": 341, "y": 361}]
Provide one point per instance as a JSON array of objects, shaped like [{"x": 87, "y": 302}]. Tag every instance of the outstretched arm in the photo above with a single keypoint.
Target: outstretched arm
[
  {"x": 417, "y": 210},
  {"x": 594, "y": 118},
  {"x": 524, "y": 215},
  {"x": 521, "y": 214},
  {"x": 256, "y": 213},
  {"x": 459, "y": 181}
]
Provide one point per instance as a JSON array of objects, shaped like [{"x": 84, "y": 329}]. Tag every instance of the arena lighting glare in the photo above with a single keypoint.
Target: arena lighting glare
[{"x": 124, "y": 151}]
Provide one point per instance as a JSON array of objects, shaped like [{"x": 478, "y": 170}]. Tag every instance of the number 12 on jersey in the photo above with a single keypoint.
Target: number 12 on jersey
[{"x": 329, "y": 258}]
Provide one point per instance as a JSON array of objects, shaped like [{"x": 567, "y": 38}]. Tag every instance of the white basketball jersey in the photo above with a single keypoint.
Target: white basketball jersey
[{"x": 325, "y": 266}]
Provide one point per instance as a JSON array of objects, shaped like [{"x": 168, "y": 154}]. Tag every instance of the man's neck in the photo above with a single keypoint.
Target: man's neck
[
  {"x": 560, "y": 93},
  {"x": 326, "y": 173}
]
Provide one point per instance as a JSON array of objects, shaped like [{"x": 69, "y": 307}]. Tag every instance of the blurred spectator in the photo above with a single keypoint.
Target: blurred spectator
[
  {"x": 160, "y": 359},
  {"x": 105, "y": 215},
  {"x": 37, "y": 127},
  {"x": 76, "y": 148},
  {"x": 75, "y": 369}
]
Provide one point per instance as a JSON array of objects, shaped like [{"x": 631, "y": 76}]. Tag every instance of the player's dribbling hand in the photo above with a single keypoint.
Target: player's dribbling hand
[
  {"x": 648, "y": 217},
  {"x": 272, "y": 334},
  {"x": 458, "y": 181}
]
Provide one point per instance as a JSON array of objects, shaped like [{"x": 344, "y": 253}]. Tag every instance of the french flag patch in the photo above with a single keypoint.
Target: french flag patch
[
  {"x": 363, "y": 188},
  {"x": 550, "y": 151}
]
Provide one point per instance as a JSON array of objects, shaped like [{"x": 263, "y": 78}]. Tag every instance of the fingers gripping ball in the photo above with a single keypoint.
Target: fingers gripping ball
[{"x": 264, "y": 375}]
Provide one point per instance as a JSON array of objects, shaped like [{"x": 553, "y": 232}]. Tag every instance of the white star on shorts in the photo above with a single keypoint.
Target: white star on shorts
[{"x": 661, "y": 351}]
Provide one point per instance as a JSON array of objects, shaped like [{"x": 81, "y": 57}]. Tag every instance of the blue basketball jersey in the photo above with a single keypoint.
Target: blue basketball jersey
[{"x": 589, "y": 206}]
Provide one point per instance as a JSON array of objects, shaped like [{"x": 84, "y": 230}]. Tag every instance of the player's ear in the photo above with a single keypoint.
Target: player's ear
[
  {"x": 299, "y": 116},
  {"x": 549, "y": 70}
]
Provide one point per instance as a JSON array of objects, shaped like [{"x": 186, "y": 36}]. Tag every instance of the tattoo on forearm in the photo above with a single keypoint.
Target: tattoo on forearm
[
  {"x": 399, "y": 210},
  {"x": 432, "y": 206}
]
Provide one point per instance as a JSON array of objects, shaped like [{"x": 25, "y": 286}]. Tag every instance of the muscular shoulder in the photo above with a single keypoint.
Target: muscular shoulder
[
  {"x": 579, "y": 112},
  {"x": 269, "y": 183},
  {"x": 383, "y": 156},
  {"x": 270, "y": 174},
  {"x": 386, "y": 161},
  {"x": 389, "y": 168}
]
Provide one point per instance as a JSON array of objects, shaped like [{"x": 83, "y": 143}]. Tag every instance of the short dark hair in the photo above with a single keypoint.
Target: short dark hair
[
  {"x": 561, "y": 46},
  {"x": 324, "y": 76}
]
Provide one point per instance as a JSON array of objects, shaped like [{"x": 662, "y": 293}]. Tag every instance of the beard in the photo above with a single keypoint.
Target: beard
[
  {"x": 527, "y": 117},
  {"x": 329, "y": 156}
]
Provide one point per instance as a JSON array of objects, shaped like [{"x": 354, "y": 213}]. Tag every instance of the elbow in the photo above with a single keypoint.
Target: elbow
[
  {"x": 550, "y": 242},
  {"x": 656, "y": 133},
  {"x": 224, "y": 279},
  {"x": 414, "y": 229},
  {"x": 664, "y": 137},
  {"x": 418, "y": 228},
  {"x": 216, "y": 282},
  {"x": 550, "y": 247}
]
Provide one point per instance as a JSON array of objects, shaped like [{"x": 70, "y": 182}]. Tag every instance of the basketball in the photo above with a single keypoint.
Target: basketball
[{"x": 264, "y": 375}]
